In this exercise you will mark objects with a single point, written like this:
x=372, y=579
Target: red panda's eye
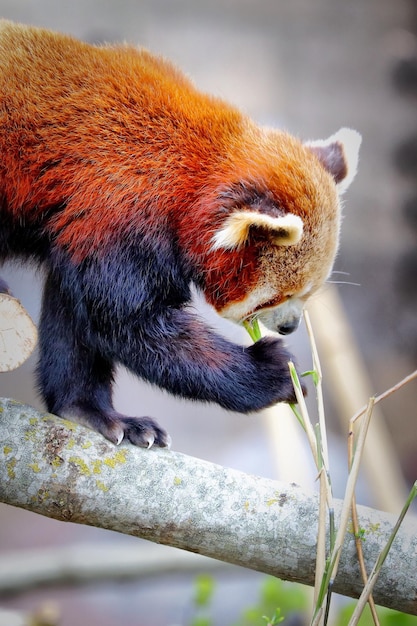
x=270, y=303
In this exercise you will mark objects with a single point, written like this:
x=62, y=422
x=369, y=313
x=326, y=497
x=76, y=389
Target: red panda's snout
x=285, y=318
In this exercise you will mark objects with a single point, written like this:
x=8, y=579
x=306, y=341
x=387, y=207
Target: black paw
x=144, y=432
x=141, y=431
x=271, y=359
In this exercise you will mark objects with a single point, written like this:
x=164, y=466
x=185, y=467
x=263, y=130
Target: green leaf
x=276, y=618
x=314, y=375
x=298, y=415
x=252, y=327
x=204, y=589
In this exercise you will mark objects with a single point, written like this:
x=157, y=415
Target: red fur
x=124, y=142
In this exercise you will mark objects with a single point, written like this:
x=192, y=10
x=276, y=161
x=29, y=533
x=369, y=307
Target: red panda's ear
x=285, y=230
x=339, y=155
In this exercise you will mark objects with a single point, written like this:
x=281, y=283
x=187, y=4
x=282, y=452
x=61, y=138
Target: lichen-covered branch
x=62, y=470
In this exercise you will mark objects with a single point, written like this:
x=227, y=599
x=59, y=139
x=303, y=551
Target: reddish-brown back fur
x=113, y=140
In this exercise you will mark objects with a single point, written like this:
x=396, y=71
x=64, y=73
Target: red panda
x=129, y=186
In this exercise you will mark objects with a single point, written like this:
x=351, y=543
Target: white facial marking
x=238, y=311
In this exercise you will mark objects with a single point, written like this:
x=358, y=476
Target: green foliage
x=314, y=375
x=361, y=534
x=387, y=617
x=275, y=619
x=252, y=327
x=279, y=599
x=204, y=587
x=276, y=599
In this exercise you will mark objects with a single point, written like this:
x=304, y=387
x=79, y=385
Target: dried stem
x=364, y=598
x=356, y=530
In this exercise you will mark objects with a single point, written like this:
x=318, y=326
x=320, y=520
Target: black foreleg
x=130, y=310
x=178, y=352
x=75, y=378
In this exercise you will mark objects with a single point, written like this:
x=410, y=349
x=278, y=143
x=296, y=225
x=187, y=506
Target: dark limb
x=75, y=378
x=178, y=352
x=131, y=310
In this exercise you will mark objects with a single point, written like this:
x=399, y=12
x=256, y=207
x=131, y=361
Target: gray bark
x=67, y=472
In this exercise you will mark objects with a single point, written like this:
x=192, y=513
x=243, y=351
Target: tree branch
x=67, y=472
x=81, y=564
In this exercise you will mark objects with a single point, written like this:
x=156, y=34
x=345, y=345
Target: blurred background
x=309, y=66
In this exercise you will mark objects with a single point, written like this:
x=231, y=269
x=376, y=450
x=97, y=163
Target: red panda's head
x=277, y=227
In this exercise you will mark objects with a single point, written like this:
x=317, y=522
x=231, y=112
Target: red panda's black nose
x=288, y=327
